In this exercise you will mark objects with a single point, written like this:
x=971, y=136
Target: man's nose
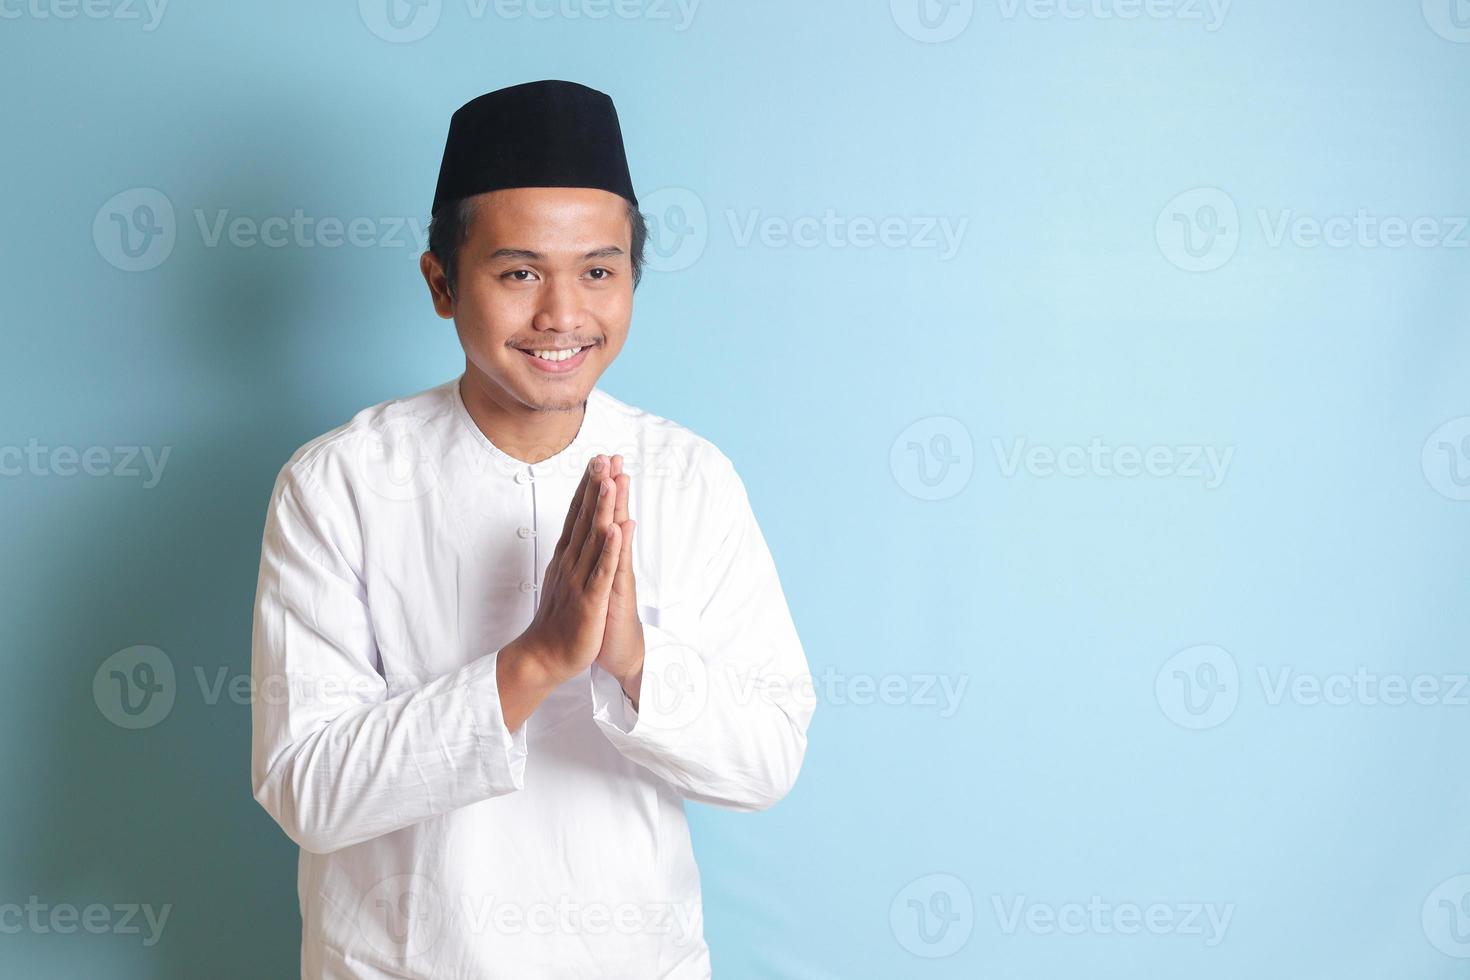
x=560, y=307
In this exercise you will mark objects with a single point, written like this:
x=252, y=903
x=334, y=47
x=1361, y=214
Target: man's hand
x=622, y=642
x=566, y=635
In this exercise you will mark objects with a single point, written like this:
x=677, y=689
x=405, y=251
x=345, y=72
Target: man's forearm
x=632, y=685
x=524, y=682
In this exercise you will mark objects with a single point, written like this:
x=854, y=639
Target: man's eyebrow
x=606, y=252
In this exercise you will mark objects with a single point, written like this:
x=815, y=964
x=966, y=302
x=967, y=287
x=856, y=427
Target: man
x=505, y=627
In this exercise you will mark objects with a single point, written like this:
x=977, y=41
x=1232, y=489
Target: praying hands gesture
x=622, y=640
x=588, y=611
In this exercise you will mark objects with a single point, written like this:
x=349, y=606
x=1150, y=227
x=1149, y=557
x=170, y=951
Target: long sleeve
x=726, y=696
x=335, y=760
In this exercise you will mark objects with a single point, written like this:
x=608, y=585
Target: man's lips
x=557, y=367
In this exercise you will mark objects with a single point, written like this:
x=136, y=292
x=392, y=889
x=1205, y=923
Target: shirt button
x=527, y=586
x=525, y=532
x=523, y=476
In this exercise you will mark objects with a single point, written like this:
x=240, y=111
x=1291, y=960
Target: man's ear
x=438, y=284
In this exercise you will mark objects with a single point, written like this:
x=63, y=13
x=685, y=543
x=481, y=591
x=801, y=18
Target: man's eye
x=516, y=272
x=606, y=273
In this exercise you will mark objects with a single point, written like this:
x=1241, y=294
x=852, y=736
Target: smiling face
x=541, y=269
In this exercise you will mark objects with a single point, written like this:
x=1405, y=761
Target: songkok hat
x=538, y=134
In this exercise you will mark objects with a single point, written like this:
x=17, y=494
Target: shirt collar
x=570, y=461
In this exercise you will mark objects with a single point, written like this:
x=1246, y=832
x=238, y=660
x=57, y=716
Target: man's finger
x=586, y=507
x=620, y=506
x=576, y=505
x=625, y=557
x=600, y=578
x=601, y=513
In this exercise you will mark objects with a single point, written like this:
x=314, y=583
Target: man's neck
x=527, y=434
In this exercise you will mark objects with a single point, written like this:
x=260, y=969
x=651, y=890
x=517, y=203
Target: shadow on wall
x=163, y=815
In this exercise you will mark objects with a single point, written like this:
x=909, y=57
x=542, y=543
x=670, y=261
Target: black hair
x=450, y=225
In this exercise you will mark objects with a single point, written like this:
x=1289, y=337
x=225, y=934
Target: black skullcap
x=538, y=134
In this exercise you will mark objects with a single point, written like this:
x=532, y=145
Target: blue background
x=850, y=382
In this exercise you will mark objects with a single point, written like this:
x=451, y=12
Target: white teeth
x=556, y=355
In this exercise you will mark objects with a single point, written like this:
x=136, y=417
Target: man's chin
x=555, y=393
x=566, y=403
x=553, y=397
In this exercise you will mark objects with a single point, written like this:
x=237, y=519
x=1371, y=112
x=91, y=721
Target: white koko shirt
x=401, y=552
